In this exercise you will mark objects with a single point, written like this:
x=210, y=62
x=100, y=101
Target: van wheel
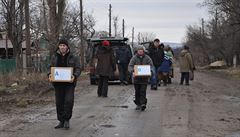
x=93, y=82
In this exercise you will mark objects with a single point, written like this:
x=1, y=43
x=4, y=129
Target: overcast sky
x=166, y=18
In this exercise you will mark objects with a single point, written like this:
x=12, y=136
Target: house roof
x=3, y=44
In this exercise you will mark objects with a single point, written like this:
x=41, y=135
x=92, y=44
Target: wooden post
x=110, y=20
x=235, y=61
x=123, y=28
x=132, y=36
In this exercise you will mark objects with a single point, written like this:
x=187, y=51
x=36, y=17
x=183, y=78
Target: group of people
x=162, y=57
x=159, y=58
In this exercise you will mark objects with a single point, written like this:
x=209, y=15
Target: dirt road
x=209, y=107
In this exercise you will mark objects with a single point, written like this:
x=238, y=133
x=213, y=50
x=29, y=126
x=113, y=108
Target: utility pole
x=81, y=35
x=203, y=31
x=28, y=37
x=123, y=28
x=132, y=36
x=216, y=18
x=110, y=20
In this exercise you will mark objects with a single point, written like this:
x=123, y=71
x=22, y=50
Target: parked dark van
x=93, y=44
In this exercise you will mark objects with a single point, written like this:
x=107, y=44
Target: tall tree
x=12, y=13
x=27, y=33
x=115, y=25
x=81, y=34
x=56, y=11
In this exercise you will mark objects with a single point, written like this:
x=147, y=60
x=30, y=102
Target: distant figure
x=106, y=66
x=64, y=91
x=165, y=67
x=140, y=83
x=123, y=57
x=156, y=53
x=169, y=53
x=186, y=65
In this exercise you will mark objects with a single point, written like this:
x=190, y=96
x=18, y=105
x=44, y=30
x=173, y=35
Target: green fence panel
x=7, y=65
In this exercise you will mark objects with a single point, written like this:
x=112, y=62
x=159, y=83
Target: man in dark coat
x=64, y=91
x=123, y=57
x=156, y=53
x=140, y=83
x=106, y=66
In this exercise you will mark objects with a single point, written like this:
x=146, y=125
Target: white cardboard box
x=142, y=70
x=61, y=74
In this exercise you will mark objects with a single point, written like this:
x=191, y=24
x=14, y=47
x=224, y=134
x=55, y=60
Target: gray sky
x=166, y=18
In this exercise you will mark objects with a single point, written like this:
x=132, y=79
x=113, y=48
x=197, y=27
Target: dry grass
x=17, y=89
x=16, y=83
x=232, y=72
x=21, y=79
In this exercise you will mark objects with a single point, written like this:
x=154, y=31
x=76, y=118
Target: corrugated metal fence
x=7, y=65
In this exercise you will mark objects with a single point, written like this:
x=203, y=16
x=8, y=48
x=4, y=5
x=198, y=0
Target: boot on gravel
x=60, y=125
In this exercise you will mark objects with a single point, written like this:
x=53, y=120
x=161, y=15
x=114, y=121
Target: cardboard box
x=142, y=70
x=61, y=74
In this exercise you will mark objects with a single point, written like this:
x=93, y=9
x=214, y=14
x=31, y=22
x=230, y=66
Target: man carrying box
x=140, y=79
x=64, y=90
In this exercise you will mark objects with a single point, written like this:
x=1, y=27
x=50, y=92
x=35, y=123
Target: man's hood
x=58, y=51
x=183, y=53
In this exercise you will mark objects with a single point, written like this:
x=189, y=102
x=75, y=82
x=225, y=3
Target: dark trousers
x=140, y=94
x=184, y=76
x=64, y=102
x=154, y=77
x=123, y=69
x=103, y=86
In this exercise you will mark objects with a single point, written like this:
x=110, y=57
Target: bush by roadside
x=22, y=90
x=225, y=71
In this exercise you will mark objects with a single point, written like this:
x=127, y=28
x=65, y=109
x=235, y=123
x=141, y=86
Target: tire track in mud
x=90, y=114
x=176, y=111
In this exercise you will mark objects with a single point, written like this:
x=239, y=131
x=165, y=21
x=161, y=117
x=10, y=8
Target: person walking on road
x=186, y=65
x=64, y=91
x=123, y=57
x=106, y=65
x=156, y=53
x=140, y=83
x=165, y=67
x=170, y=56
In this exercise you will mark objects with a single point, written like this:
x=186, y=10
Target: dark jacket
x=140, y=60
x=71, y=61
x=106, y=64
x=165, y=66
x=157, y=55
x=123, y=55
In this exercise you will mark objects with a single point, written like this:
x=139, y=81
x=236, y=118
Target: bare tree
x=146, y=37
x=115, y=25
x=12, y=12
x=27, y=33
x=56, y=11
x=221, y=33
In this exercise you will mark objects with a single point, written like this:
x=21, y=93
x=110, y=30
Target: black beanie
x=63, y=41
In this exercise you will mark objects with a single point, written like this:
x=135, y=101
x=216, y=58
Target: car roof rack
x=107, y=38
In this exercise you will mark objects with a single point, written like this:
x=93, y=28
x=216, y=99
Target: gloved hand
x=72, y=79
x=50, y=78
